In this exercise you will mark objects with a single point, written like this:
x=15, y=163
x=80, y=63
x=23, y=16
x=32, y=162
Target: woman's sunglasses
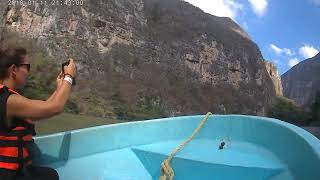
x=27, y=65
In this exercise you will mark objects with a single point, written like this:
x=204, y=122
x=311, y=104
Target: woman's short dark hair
x=9, y=57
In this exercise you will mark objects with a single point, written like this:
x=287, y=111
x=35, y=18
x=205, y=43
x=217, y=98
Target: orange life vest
x=15, y=142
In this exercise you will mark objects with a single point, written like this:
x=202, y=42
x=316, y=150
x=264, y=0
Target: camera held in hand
x=67, y=64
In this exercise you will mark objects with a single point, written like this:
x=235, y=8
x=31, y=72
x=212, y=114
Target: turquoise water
x=256, y=149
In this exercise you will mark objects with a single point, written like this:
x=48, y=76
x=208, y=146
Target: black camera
x=66, y=64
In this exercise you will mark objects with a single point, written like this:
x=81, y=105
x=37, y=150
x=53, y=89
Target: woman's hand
x=59, y=80
x=71, y=68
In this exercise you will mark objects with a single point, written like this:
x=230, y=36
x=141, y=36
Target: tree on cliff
x=285, y=109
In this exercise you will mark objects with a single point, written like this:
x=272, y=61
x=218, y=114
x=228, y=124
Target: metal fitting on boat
x=222, y=145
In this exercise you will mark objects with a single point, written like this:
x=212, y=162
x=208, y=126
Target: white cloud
x=292, y=62
x=280, y=51
x=245, y=26
x=259, y=7
x=317, y=2
x=276, y=61
x=221, y=8
x=307, y=51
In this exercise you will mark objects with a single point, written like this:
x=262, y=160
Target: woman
x=16, y=128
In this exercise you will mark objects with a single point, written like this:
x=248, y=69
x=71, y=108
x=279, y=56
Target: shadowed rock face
x=302, y=81
x=169, y=52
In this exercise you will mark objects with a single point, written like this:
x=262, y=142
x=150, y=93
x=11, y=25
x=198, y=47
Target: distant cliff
x=167, y=55
x=276, y=78
x=302, y=81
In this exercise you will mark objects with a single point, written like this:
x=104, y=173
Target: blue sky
x=286, y=31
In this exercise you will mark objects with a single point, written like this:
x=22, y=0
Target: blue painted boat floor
x=116, y=165
x=135, y=150
x=234, y=153
x=200, y=158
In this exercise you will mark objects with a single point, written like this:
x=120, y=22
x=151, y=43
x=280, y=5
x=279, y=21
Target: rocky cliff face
x=165, y=53
x=302, y=81
x=276, y=78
